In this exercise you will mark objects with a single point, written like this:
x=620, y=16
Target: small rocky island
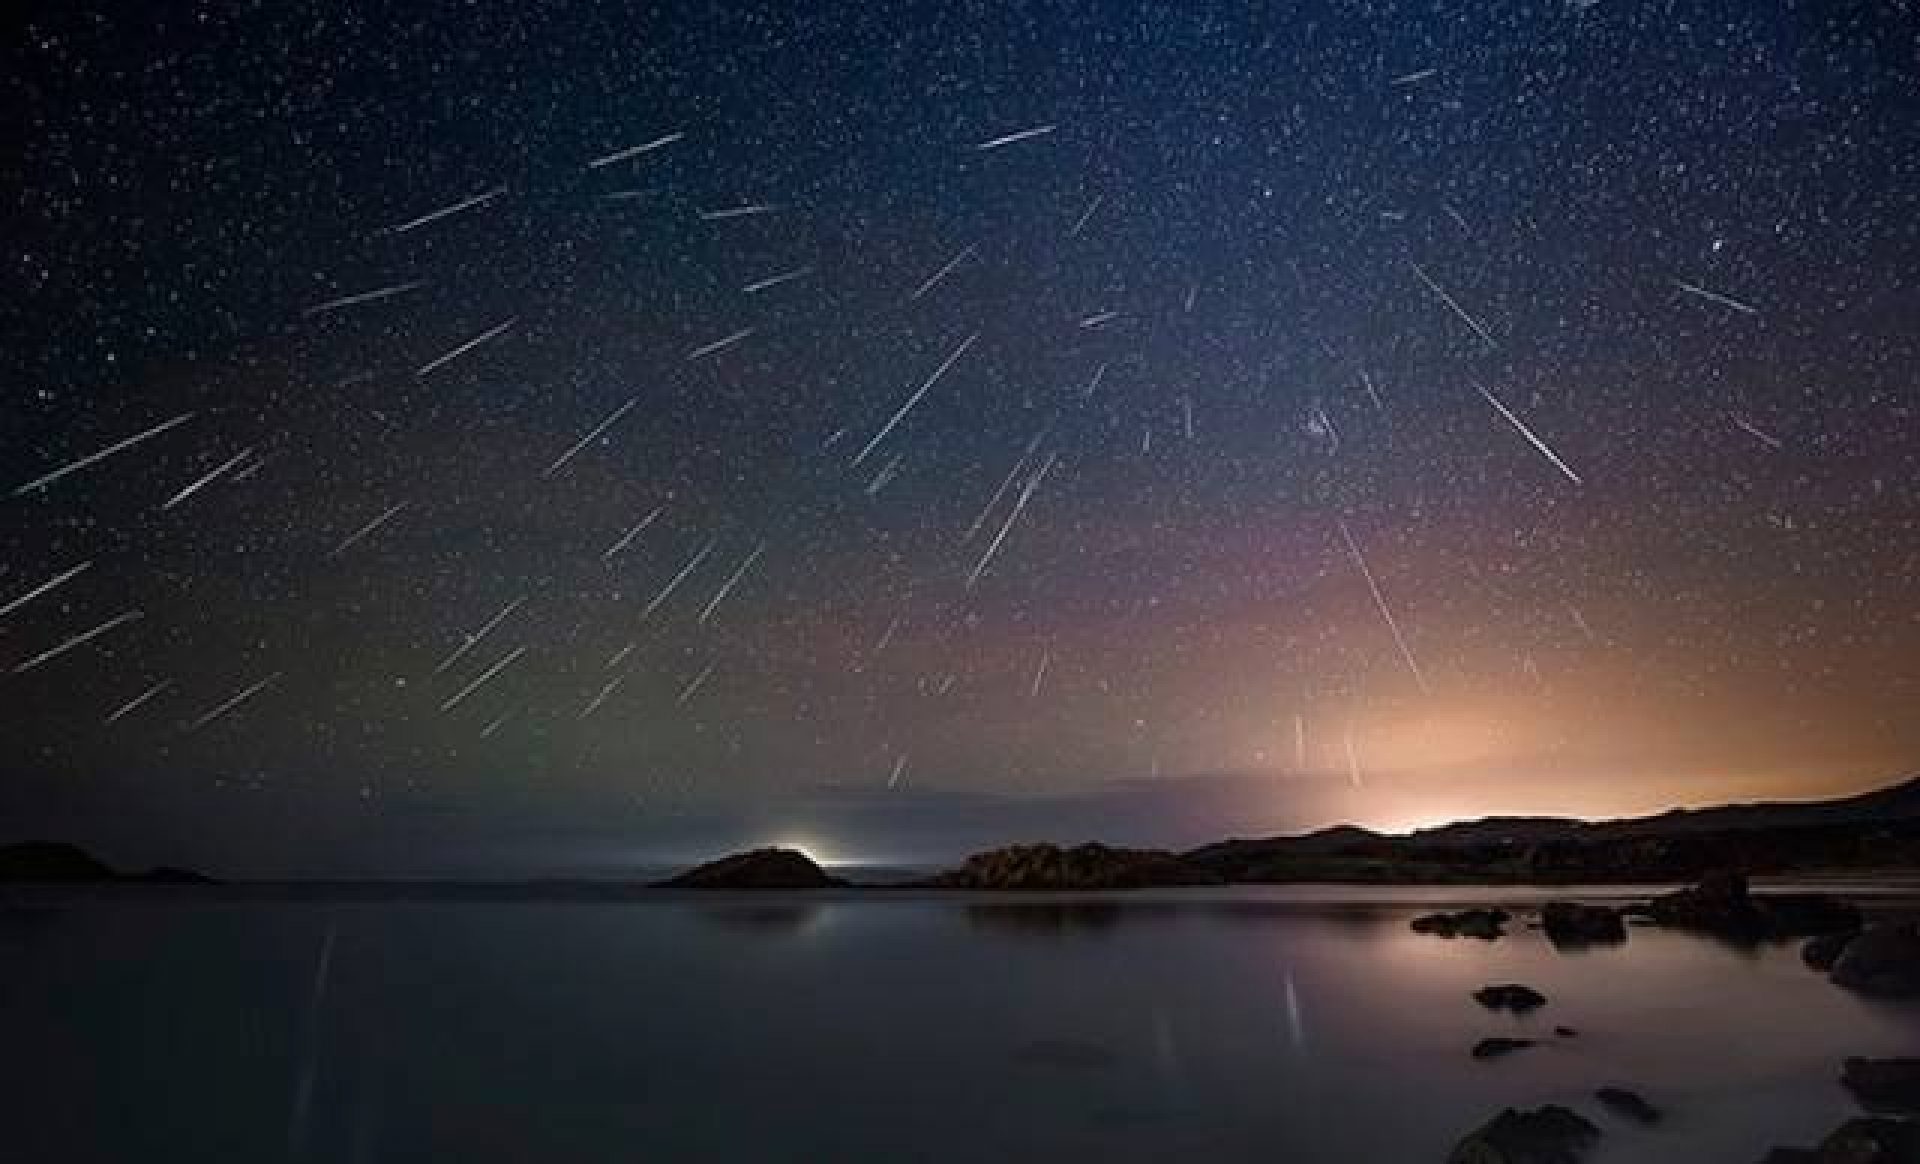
x=770, y=868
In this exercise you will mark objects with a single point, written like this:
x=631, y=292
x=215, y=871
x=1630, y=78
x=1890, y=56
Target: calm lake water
x=1207, y=1025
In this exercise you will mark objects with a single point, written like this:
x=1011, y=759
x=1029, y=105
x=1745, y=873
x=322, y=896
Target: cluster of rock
x=1722, y=905
x=1080, y=867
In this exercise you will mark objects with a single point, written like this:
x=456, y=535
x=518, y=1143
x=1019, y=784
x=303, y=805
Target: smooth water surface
x=1218, y=1025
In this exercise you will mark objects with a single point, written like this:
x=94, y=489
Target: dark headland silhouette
x=1872, y=833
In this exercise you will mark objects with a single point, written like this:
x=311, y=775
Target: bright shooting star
x=76, y=642
x=593, y=704
x=1033, y=446
x=503, y=663
x=1739, y=422
x=1716, y=297
x=1524, y=431
x=1453, y=304
x=103, y=454
x=491, y=333
x=1413, y=78
x=473, y=639
x=138, y=701
x=719, y=345
x=687, y=692
x=776, y=280
x=915, y=398
x=354, y=538
x=445, y=211
x=232, y=703
x=1026, y=494
x=899, y=769
x=50, y=584
x=666, y=591
x=210, y=478
x=1040, y=674
x=612, y=419
x=634, y=151
x=626, y=539
x=1386, y=612
x=1098, y=318
x=1009, y=139
x=364, y=297
x=934, y=279
x=726, y=588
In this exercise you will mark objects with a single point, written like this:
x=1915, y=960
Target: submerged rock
x=1495, y=1048
x=1883, y=959
x=1884, y=1085
x=758, y=869
x=1485, y=924
x=1546, y=1135
x=1510, y=996
x=1571, y=923
x=1630, y=1104
x=1870, y=1140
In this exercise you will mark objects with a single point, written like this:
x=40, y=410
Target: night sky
x=952, y=424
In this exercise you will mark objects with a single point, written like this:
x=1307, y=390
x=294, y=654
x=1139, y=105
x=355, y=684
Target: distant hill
x=1874, y=830
x=58, y=863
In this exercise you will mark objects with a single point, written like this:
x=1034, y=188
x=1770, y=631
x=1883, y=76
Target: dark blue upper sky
x=1373, y=410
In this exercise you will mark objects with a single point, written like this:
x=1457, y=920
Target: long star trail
x=899, y=769
x=1716, y=297
x=611, y=419
x=1386, y=612
x=719, y=345
x=600, y=697
x=1008, y=139
x=484, y=677
x=357, y=536
x=694, y=686
x=1535, y=441
x=1086, y=216
x=752, y=210
x=626, y=539
x=914, y=399
x=373, y=296
x=460, y=207
x=1739, y=422
x=137, y=702
x=77, y=641
x=772, y=281
x=1019, y=505
x=635, y=151
x=1453, y=304
x=206, y=480
x=47, y=587
x=1033, y=446
x=121, y=446
x=486, y=336
x=221, y=710
x=470, y=641
x=733, y=580
x=1040, y=674
x=666, y=591
x=934, y=279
